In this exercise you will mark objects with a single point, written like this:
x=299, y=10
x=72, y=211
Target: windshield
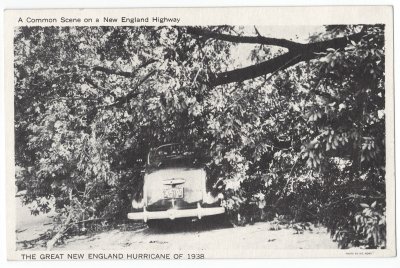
x=173, y=155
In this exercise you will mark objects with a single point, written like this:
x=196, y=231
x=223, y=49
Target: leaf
x=373, y=205
x=324, y=59
x=364, y=205
x=328, y=147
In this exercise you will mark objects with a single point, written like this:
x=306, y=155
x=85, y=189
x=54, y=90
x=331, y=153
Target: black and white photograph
x=209, y=137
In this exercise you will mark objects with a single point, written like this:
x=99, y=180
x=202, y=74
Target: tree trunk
x=50, y=244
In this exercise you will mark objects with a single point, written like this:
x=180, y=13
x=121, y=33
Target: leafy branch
x=106, y=70
x=297, y=53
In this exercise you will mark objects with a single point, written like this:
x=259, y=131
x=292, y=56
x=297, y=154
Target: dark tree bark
x=297, y=53
x=244, y=39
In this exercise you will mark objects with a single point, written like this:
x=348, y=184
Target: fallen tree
x=90, y=102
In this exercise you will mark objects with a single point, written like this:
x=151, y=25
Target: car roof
x=163, y=146
x=168, y=144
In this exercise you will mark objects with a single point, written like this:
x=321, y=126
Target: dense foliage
x=308, y=140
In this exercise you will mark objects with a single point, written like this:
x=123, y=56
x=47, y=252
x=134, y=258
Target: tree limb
x=112, y=71
x=50, y=244
x=92, y=83
x=256, y=70
x=297, y=53
x=131, y=94
x=118, y=72
x=259, y=39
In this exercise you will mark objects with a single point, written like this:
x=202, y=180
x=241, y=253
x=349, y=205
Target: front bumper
x=171, y=214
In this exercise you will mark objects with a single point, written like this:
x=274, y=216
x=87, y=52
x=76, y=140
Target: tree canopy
x=303, y=125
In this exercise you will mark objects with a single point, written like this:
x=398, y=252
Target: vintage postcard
x=200, y=133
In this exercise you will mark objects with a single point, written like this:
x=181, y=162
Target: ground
x=206, y=234
x=28, y=226
x=198, y=236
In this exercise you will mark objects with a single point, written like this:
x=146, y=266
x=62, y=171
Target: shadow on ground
x=188, y=225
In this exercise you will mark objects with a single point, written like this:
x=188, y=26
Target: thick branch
x=253, y=71
x=259, y=39
x=303, y=53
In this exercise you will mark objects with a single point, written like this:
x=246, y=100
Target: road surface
x=205, y=234
x=202, y=235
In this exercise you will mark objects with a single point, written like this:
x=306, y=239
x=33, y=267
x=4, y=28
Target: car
x=175, y=186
